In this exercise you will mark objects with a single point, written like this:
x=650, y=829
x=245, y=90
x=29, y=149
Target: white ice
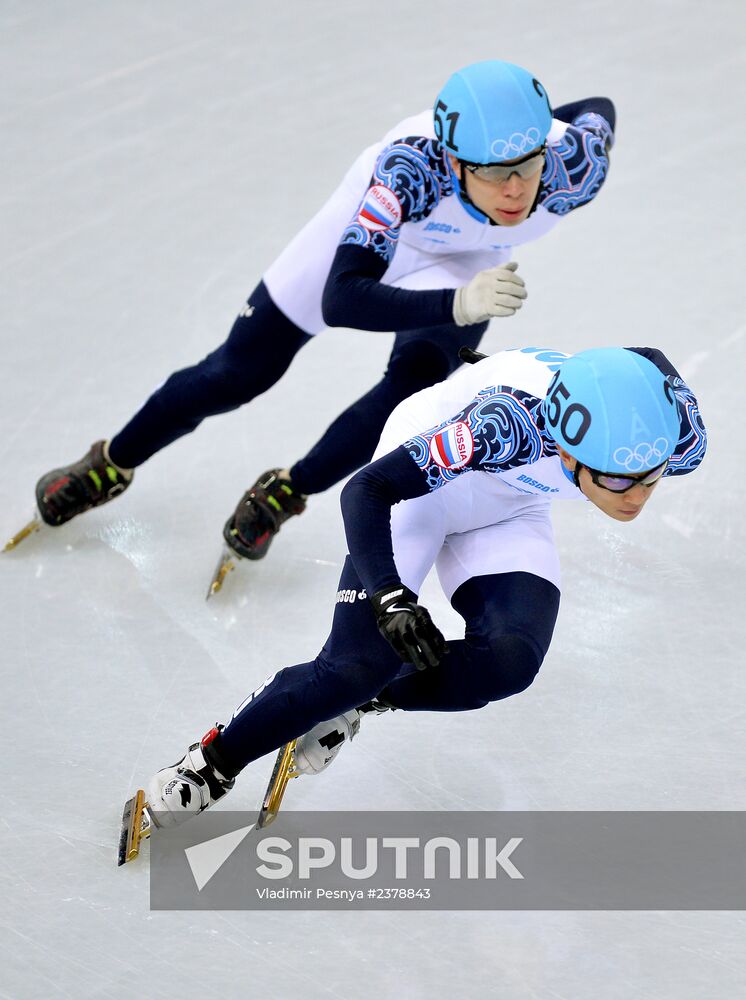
x=154, y=158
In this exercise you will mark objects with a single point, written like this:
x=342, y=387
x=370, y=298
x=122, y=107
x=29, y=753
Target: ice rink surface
x=154, y=159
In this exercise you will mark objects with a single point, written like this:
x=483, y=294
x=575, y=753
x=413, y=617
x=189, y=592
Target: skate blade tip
x=33, y=525
x=136, y=827
x=216, y=584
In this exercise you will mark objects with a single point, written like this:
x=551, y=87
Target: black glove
x=408, y=627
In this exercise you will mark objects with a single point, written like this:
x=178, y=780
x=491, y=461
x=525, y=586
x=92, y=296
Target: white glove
x=495, y=292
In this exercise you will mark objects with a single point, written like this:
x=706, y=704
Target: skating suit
x=492, y=471
x=400, y=203
x=480, y=482
x=385, y=253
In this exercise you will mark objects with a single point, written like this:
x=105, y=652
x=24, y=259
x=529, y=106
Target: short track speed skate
x=260, y=514
x=174, y=794
x=310, y=754
x=64, y=493
x=136, y=826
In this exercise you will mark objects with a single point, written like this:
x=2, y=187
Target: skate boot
x=311, y=754
x=261, y=513
x=315, y=751
x=175, y=794
x=64, y=493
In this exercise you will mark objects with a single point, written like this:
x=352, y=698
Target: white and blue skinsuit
x=386, y=252
x=471, y=497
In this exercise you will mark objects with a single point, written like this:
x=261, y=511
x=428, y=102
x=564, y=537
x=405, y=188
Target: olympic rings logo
x=643, y=456
x=518, y=144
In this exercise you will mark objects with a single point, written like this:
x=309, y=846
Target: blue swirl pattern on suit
x=692, y=437
x=577, y=166
x=416, y=171
x=507, y=431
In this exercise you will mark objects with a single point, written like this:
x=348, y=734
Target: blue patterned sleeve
x=692, y=444
x=409, y=179
x=596, y=105
x=577, y=165
x=497, y=431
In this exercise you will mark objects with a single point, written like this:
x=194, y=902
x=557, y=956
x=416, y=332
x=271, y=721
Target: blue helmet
x=613, y=411
x=492, y=111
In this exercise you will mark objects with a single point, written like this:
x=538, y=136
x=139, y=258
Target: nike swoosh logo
x=390, y=611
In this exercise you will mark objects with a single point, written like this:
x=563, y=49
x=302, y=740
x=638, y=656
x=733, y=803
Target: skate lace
x=280, y=496
x=85, y=485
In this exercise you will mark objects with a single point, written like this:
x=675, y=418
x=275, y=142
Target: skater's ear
x=567, y=460
x=456, y=164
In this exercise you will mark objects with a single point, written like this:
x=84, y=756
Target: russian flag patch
x=381, y=209
x=453, y=446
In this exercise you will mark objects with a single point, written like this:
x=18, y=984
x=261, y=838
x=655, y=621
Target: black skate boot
x=261, y=513
x=64, y=493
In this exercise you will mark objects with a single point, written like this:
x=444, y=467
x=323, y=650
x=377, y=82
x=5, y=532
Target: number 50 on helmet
x=613, y=410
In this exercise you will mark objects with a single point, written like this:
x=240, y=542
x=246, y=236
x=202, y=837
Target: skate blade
x=282, y=772
x=226, y=564
x=136, y=827
x=33, y=525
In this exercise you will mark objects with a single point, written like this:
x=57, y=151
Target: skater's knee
x=509, y=664
x=224, y=381
x=417, y=365
x=356, y=678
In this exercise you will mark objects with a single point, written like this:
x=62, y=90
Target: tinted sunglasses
x=620, y=484
x=498, y=173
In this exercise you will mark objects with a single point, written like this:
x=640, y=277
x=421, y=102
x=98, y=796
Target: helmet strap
x=463, y=194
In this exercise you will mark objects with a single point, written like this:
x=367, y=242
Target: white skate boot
x=175, y=794
x=311, y=754
x=315, y=751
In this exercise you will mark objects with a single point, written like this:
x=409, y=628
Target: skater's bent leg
x=355, y=663
x=509, y=623
x=258, y=351
x=420, y=358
